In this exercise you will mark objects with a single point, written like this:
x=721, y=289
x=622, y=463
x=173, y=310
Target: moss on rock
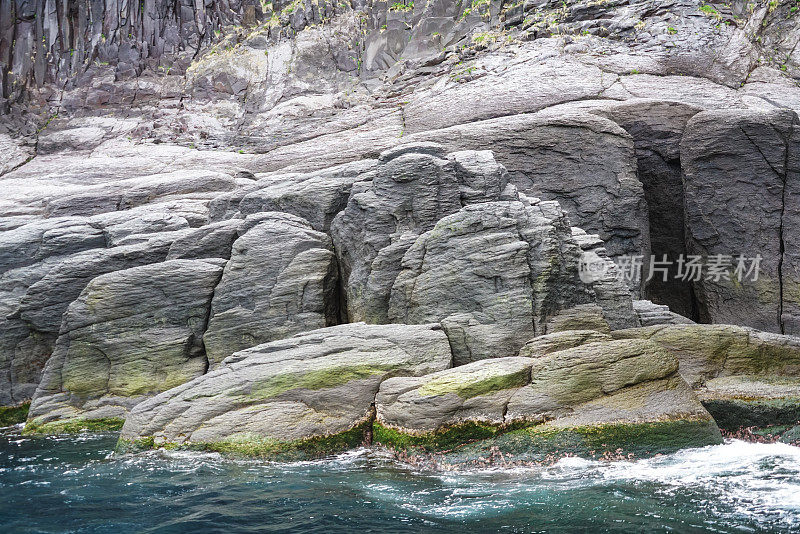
x=74, y=426
x=475, y=384
x=735, y=413
x=440, y=440
x=254, y=446
x=531, y=442
x=13, y=415
x=314, y=380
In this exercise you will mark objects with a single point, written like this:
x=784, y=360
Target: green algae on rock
x=744, y=377
x=73, y=425
x=13, y=415
x=306, y=395
x=247, y=445
x=131, y=334
x=600, y=396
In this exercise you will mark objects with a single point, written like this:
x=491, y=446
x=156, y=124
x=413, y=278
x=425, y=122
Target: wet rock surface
x=184, y=182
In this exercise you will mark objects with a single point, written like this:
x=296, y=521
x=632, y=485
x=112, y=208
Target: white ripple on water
x=755, y=480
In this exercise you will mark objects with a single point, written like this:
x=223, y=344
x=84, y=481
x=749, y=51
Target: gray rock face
x=598, y=386
x=280, y=280
x=506, y=264
x=654, y=314
x=279, y=397
x=129, y=335
x=733, y=161
x=596, y=185
x=411, y=190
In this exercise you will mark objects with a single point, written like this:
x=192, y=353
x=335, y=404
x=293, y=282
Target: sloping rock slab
x=304, y=396
x=743, y=377
x=591, y=399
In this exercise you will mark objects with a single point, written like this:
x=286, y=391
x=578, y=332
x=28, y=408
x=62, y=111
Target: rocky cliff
x=274, y=203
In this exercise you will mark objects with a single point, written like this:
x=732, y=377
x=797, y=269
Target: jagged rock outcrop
x=131, y=334
x=413, y=187
x=317, y=197
x=591, y=398
x=743, y=376
x=492, y=273
x=310, y=394
x=46, y=42
x=280, y=280
x=596, y=185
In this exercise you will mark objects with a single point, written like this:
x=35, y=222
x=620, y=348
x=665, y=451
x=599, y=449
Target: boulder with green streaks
x=130, y=335
x=600, y=390
x=288, y=396
x=743, y=376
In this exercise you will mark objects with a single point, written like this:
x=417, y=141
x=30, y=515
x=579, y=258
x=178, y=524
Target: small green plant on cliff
x=475, y=5
x=709, y=10
x=484, y=38
x=671, y=30
x=402, y=6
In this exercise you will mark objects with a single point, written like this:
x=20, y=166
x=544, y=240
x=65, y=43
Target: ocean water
x=76, y=484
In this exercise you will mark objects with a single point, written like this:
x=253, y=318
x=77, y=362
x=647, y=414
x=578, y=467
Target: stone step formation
x=455, y=229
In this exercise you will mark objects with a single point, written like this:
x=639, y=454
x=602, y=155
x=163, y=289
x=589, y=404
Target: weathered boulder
x=129, y=335
x=306, y=395
x=735, y=161
x=744, y=377
x=589, y=399
x=33, y=298
x=562, y=340
x=280, y=280
x=413, y=187
x=507, y=264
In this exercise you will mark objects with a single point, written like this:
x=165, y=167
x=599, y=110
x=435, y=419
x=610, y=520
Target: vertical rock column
x=742, y=198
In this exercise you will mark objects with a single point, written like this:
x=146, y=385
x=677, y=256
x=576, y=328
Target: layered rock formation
x=310, y=393
x=196, y=197
x=129, y=335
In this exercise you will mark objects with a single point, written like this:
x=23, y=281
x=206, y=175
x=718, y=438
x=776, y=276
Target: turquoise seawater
x=76, y=484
